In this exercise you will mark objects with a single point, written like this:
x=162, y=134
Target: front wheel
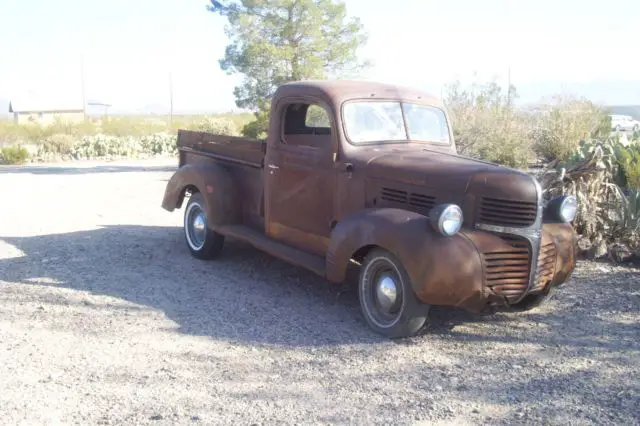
x=203, y=242
x=387, y=300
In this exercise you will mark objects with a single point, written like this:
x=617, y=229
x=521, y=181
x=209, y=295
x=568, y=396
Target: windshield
x=371, y=121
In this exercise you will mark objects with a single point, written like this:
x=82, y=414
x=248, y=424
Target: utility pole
x=84, y=98
x=170, y=100
x=509, y=85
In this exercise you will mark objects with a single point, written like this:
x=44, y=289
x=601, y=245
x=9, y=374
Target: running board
x=289, y=254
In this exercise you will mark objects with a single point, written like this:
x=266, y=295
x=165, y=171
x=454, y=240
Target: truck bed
x=243, y=158
x=245, y=151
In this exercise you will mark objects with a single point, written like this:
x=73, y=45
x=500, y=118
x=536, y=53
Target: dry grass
x=488, y=125
x=62, y=140
x=12, y=133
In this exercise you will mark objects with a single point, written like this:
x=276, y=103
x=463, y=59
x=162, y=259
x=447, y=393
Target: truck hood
x=486, y=192
x=430, y=169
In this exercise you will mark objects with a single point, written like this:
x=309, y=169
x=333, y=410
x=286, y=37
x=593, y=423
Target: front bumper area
x=477, y=269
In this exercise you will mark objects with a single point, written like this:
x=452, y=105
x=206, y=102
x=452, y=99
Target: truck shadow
x=245, y=295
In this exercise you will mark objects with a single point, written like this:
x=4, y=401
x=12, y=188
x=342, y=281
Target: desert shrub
x=159, y=144
x=9, y=132
x=37, y=132
x=75, y=128
x=31, y=132
x=58, y=145
x=217, y=125
x=608, y=214
x=14, y=155
x=629, y=161
x=191, y=122
x=100, y=145
x=121, y=126
x=632, y=215
x=132, y=126
x=558, y=126
x=487, y=126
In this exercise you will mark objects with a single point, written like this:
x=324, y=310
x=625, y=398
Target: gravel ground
x=106, y=319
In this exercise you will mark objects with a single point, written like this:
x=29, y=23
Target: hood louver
x=400, y=197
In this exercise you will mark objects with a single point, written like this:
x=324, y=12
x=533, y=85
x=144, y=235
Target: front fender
x=214, y=183
x=443, y=270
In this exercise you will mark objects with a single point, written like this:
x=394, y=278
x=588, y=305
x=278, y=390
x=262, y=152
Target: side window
x=317, y=117
x=307, y=125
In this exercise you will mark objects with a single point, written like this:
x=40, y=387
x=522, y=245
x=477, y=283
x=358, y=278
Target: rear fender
x=214, y=183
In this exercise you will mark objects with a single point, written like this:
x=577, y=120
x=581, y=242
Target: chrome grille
x=496, y=211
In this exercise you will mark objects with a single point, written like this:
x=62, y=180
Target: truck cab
x=368, y=174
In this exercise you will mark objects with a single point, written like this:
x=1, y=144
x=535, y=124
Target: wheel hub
x=198, y=223
x=196, y=227
x=199, y=227
x=386, y=293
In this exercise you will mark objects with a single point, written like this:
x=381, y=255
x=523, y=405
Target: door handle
x=272, y=166
x=346, y=167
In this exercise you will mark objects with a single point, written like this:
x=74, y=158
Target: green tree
x=277, y=41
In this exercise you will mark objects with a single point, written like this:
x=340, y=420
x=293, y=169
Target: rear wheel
x=203, y=242
x=387, y=300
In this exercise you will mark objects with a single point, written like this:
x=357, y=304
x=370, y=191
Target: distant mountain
x=632, y=110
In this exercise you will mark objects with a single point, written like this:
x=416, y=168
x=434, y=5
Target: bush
x=14, y=155
x=56, y=146
x=112, y=136
x=608, y=213
x=132, y=126
x=11, y=132
x=487, y=126
x=217, y=125
x=159, y=144
x=559, y=126
x=629, y=162
x=100, y=145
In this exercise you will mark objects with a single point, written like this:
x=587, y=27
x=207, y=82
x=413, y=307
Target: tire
x=402, y=318
x=203, y=242
x=618, y=128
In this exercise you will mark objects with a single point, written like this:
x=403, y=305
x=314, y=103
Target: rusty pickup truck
x=365, y=174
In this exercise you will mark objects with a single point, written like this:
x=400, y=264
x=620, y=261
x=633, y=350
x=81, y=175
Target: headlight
x=563, y=209
x=446, y=219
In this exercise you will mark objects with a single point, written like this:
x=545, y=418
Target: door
x=299, y=176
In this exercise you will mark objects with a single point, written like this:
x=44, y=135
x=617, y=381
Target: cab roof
x=338, y=91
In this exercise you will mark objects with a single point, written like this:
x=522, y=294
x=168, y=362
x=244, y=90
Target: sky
x=127, y=49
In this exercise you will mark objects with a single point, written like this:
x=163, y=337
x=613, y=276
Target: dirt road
x=106, y=319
